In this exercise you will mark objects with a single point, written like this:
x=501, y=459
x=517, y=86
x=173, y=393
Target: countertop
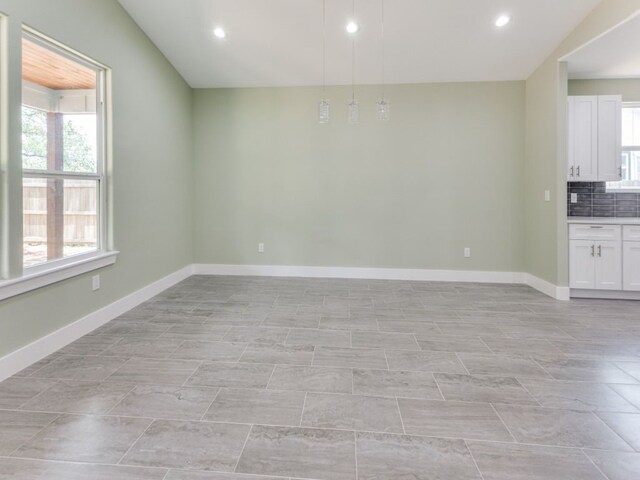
x=605, y=220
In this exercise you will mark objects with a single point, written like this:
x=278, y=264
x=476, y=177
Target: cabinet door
x=609, y=265
x=585, y=138
x=582, y=271
x=609, y=138
x=571, y=139
x=631, y=266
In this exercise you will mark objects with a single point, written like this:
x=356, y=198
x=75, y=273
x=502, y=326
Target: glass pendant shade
x=353, y=111
x=383, y=109
x=324, y=112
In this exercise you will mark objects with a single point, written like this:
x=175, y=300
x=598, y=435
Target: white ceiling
x=614, y=55
x=279, y=42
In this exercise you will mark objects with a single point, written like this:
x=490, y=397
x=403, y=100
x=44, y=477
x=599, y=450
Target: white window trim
x=48, y=273
x=56, y=272
x=632, y=148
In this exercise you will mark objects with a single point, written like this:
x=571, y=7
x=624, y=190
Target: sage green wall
x=152, y=166
x=628, y=88
x=445, y=173
x=545, y=166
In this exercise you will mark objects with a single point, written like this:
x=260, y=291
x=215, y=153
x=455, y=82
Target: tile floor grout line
x=474, y=459
x=462, y=363
x=610, y=428
x=184, y=384
x=242, y=354
x=304, y=403
x=35, y=434
x=153, y=420
x=121, y=400
x=20, y=406
x=594, y=464
x=72, y=462
x=435, y=380
x=528, y=392
x=504, y=423
x=211, y=404
x=266, y=387
x=404, y=430
x=619, y=395
x=246, y=440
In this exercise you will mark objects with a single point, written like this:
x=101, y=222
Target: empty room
x=319, y=240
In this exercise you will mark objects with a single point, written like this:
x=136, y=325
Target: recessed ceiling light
x=219, y=32
x=353, y=27
x=502, y=20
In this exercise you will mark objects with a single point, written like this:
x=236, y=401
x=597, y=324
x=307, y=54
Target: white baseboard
x=360, y=273
x=605, y=294
x=559, y=293
x=548, y=288
x=30, y=354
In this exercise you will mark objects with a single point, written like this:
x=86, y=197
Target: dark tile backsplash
x=594, y=201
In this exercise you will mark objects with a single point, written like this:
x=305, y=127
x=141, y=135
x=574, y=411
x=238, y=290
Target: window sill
x=32, y=281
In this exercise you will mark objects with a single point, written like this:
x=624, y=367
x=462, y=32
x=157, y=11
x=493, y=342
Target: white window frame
x=53, y=271
x=615, y=187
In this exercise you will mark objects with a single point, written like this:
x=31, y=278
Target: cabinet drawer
x=631, y=233
x=594, y=232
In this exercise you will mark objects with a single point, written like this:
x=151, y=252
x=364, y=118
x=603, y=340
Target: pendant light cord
x=324, y=48
x=383, y=44
x=353, y=55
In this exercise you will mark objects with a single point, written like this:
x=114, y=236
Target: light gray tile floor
x=245, y=378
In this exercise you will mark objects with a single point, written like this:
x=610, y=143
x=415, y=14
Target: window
x=62, y=154
x=630, y=150
x=63, y=132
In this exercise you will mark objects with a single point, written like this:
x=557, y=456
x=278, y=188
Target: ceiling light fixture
x=219, y=32
x=502, y=21
x=353, y=27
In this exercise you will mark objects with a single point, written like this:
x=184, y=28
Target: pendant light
x=324, y=107
x=382, y=105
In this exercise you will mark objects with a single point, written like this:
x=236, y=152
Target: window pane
x=59, y=123
x=34, y=139
x=60, y=218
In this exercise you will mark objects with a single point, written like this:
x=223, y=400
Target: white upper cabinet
x=595, y=138
x=609, y=138
x=583, y=144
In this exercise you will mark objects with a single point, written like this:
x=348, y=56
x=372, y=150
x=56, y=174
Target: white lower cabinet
x=582, y=271
x=595, y=257
x=595, y=265
x=608, y=265
x=631, y=269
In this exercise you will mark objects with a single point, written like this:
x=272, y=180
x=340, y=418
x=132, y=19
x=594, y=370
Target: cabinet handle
x=571, y=171
x=619, y=172
x=593, y=250
x=596, y=226
x=599, y=250
x=578, y=171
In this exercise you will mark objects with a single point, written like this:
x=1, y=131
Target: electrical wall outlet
x=95, y=282
x=467, y=252
x=574, y=198
x=261, y=248
x=547, y=195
